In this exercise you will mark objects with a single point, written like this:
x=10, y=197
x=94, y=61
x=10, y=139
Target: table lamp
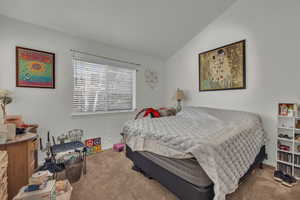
x=179, y=96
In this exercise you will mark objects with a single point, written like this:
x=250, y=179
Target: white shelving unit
x=288, y=161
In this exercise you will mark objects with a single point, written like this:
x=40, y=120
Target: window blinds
x=102, y=88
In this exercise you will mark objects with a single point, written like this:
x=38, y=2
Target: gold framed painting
x=223, y=68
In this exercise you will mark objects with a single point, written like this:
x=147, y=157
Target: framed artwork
x=34, y=68
x=223, y=68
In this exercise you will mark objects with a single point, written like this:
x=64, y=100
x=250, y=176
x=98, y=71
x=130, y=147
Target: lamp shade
x=179, y=95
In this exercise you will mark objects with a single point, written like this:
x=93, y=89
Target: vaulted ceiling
x=152, y=27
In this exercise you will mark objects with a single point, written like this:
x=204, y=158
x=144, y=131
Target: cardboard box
x=63, y=190
x=48, y=193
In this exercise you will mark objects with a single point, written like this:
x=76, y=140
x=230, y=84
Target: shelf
x=288, y=125
x=298, y=166
x=288, y=117
x=284, y=151
x=287, y=128
x=284, y=162
x=285, y=139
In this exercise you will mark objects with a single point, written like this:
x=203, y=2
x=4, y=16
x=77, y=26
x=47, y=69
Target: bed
x=199, y=154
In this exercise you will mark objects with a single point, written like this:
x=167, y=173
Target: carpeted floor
x=110, y=177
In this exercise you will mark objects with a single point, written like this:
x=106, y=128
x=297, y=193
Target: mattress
x=187, y=169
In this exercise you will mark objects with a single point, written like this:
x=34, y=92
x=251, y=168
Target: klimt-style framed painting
x=223, y=68
x=34, y=68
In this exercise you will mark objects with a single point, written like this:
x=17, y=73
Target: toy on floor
x=119, y=147
x=93, y=145
x=284, y=179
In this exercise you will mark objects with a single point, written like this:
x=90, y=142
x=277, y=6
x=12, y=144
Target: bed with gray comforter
x=224, y=142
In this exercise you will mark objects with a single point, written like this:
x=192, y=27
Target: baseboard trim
x=268, y=166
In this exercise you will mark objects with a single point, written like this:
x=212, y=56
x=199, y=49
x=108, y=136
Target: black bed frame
x=181, y=188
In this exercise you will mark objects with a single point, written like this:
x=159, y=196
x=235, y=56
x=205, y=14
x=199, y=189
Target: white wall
x=51, y=108
x=272, y=31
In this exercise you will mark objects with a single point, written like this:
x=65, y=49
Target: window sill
x=101, y=113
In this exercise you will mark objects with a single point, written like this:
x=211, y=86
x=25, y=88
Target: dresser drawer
x=3, y=196
x=3, y=174
x=3, y=182
x=3, y=167
x=3, y=189
x=3, y=157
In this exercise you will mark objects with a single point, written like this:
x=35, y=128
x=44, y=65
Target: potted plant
x=5, y=99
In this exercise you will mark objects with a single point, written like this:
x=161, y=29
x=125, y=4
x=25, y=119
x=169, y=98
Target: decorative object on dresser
x=22, y=160
x=14, y=125
x=35, y=69
x=7, y=130
x=179, y=96
x=3, y=175
x=223, y=68
x=5, y=99
x=288, y=154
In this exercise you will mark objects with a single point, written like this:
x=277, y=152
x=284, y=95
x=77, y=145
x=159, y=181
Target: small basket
x=74, y=171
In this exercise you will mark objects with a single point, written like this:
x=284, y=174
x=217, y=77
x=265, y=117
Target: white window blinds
x=102, y=88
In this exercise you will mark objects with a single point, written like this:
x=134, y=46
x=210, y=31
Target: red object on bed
x=154, y=113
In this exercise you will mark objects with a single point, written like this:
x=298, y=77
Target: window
x=102, y=88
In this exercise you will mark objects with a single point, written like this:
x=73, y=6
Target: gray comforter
x=224, y=142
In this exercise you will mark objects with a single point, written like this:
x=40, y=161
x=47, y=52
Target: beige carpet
x=110, y=177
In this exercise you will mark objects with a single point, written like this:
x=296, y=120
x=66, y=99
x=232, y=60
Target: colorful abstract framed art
x=223, y=68
x=34, y=68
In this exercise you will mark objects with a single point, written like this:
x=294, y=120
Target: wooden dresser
x=22, y=161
